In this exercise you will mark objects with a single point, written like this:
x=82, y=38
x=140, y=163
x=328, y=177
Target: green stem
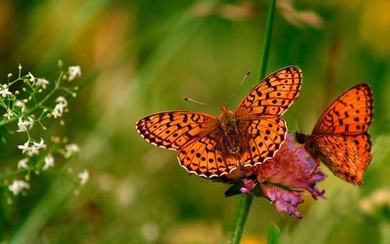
x=267, y=39
x=273, y=234
x=243, y=207
x=245, y=201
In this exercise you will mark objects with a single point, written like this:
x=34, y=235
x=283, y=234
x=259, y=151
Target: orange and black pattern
x=273, y=95
x=211, y=147
x=340, y=138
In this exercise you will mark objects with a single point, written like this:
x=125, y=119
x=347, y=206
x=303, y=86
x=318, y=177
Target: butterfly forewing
x=351, y=113
x=273, y=95
x=175, y=130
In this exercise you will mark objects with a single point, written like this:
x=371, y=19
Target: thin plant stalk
x=245, y=201
x=267, y=39
x=243, y=207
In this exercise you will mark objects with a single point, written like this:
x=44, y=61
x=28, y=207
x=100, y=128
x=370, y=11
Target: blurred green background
x=140, y=57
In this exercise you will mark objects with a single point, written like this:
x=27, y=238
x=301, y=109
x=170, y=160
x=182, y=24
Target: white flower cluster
x=31, y=78
x=24, y=125
x=49, y=162
x=9, y=114
x=17, y=186
x=32, y=148
x=4, y=92
x=73, y=72
x=84, y=176
x=23, y=163
x=37, y=82
x=70, y=150
x=27, y=101
x=41, y=82
x=20, y=105
x=60, y=107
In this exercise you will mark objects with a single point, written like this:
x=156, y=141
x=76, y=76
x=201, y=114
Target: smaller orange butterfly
x=340, y=138
x=212, y=146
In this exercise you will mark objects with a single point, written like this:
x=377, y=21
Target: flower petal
x=285, y=201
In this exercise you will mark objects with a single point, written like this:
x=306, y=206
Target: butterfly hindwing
x=204, y=157
x=346, y=156
x=264, y=137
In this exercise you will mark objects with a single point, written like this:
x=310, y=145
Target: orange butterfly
x=340, y=137
x=212, y=146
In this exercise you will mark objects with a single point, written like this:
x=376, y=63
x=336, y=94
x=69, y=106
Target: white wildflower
x=39, y=145
x=58, y=110
x=49, y=162
x=74, y=71
x=41, y=82
x=84, y=176
x=24, y=125
x=70, y=150
x=32, y=149
x=22, y=164
x=17, y=186
x=25, y=147
x=9, y=114
x=20, y=104
x=4, y=92
x=31, y=78
x=62, y=100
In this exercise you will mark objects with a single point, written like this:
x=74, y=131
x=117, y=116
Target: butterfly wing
x=340, y=136
x=273, y=95
x=194, y=135
x=350, y=114
x=259, y=114
x=346, y=156
x=176, y=129
x=205, y=157
x=263, y=139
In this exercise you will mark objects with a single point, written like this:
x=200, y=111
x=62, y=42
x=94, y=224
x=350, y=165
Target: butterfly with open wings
x=340, y=138
x=211, y=146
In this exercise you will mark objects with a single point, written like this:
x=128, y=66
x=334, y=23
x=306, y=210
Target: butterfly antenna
x=191, y=100
x=238, y=87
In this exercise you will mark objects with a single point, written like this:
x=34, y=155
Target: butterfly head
x=301, y=138
x=227, y=116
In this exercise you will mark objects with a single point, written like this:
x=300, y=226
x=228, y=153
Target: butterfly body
x=212, y=146
x=228, y=123
x=340, y=138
